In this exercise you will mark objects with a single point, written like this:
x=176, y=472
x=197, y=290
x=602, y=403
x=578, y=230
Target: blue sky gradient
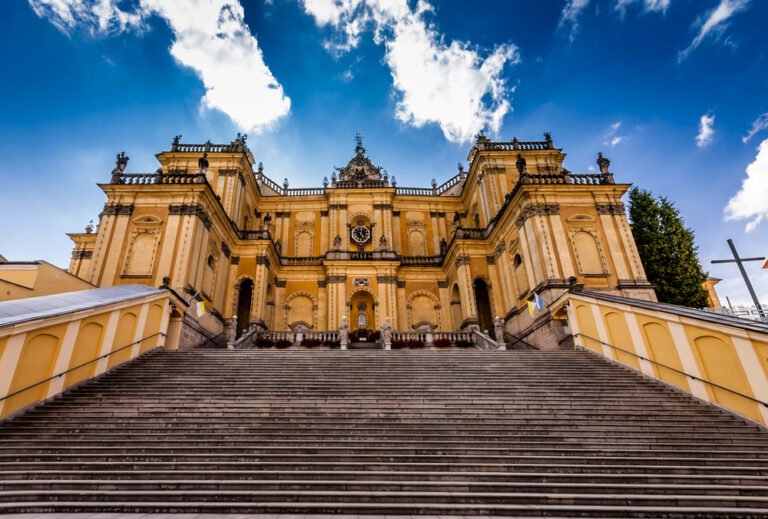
x=72, y=97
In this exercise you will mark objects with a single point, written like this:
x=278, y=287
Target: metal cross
x=359, y=139
x=740, y=262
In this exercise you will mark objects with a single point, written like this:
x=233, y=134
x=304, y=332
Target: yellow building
x=23, y=279
x=515, y=225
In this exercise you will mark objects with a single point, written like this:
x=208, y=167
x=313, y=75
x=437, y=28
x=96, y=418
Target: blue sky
x=669, y=90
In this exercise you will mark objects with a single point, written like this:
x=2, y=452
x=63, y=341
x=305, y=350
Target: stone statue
x=457, y=219
x=230, y=330
x=175, y=143
x=344, y=332
x=548, y=140
x=603, y=163
x=89, y=227
x=498, y=328
x=383, y=243
x=443, y=247
x=267, y=221
x=121, y=162
x=337, y=243
x=202, y=163
x=278, y=248
x=521, y=164
x=386, y=333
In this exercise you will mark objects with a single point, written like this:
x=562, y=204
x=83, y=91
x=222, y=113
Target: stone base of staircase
x=381, y=433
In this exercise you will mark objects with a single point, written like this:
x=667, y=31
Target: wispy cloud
x=648, y=5
x=211, y=38
x=760, y=124
x=570, y=15
x=751, y=202
x=713, y=23
x=98, y=17
x=706, y=130
x=448, y=84
x=612, y=137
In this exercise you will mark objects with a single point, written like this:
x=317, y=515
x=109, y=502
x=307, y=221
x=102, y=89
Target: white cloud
x=649, y=6
x=752, y=199
x=211, y=38
x=448, y=84
x=97, y=16
x=714, y=23
x=569, y=17
x=706, y=130
x=760, y=124
x=612, y=137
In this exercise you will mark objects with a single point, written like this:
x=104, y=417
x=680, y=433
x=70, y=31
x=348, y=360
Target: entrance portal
x=361, y=313
x=244, y=305
x=483, y=305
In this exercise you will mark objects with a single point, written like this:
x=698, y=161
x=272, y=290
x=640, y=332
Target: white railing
x=745, y=312
x=484, y=342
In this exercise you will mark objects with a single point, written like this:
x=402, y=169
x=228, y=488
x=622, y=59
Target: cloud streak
x=714, y=23
x=436, y=82
x=706, y=130
x=760, y=124
x=211, y=38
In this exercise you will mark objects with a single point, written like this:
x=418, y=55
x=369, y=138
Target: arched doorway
x=456, y=313
x=362, y=313
x=483, y=303
x=244, y=297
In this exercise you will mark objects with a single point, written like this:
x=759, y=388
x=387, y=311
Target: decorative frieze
x=234, y=260
x=499, y=250
x=82, y=254
x=383, y=207
x=395, y=213
x=282, y=214
x=228, y=172
x=280, y=283
x=336, y=279
x=262, y=260
x=400, y=283
x=387, y=280
x=361, y=282
x=536, y=210
x=442, y=283
x=339, y=207
x=617, y=208
x=323, y=214
x=321, y=283
x=225, y=249
x=491, y=260
x=118, y=209
x=191, y=210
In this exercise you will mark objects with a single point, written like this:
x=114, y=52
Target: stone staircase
x=451, y=432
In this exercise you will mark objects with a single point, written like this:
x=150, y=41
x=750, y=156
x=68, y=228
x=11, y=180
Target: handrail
x=694, y=377
x=9, y=395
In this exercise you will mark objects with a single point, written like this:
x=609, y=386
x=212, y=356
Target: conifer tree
x=667, y=250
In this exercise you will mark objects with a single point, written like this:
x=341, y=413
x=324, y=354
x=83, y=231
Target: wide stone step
x=383, y=497
x=391, y=476
x=311, y=485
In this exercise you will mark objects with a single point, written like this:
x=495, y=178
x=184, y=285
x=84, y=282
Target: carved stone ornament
x=361, y=282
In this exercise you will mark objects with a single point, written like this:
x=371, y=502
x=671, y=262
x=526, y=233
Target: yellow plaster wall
x=36, y=362
x=58, y=344
x=721, y=353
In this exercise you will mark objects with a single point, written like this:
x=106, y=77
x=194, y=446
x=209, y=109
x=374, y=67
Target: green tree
x=667, y=250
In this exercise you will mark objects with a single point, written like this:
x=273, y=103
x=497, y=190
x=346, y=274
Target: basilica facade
x=514, y=227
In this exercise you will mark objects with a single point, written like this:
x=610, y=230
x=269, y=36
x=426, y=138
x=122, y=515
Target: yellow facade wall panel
x=662, y=350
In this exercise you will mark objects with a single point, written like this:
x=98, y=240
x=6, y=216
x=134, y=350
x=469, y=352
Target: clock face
x=361, y=234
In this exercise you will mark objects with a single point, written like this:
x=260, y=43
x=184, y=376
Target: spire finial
x=359, y=149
